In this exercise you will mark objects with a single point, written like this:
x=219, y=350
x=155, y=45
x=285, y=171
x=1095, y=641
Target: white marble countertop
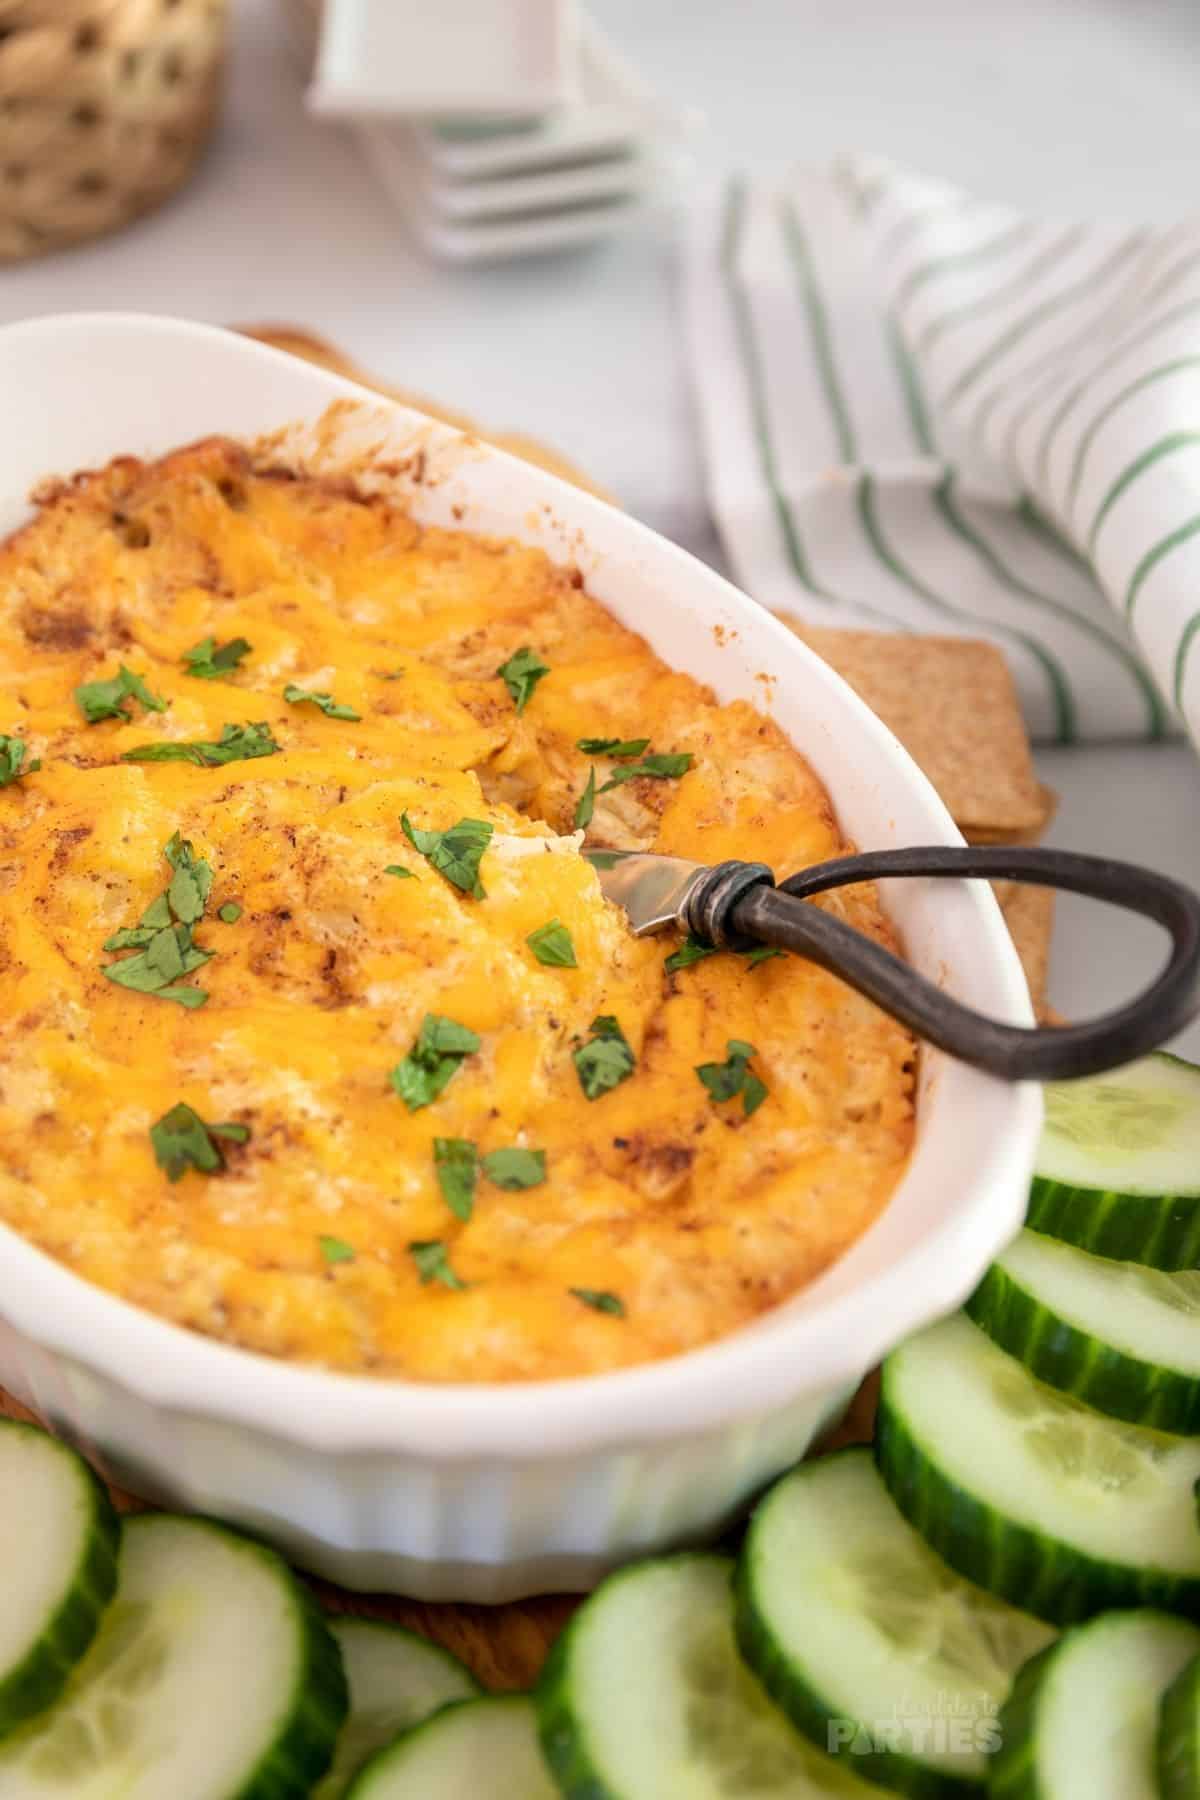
x=1088, y=104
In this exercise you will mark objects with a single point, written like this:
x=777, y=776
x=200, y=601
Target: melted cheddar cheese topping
x=693, y=1214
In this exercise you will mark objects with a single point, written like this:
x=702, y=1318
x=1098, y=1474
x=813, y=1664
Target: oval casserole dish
x=459, y=1491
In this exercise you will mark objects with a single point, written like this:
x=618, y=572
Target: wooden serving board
x=504, y=1646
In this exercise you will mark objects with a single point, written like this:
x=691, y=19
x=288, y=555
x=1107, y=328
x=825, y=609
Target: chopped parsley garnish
x=551, y=944
x=694, y=950
x=456, y=1164
x=399, y=870
x=183, y=1141
x=665, y=765
x=456, y=853
x=440, y=1046
x=585, y=806
x=237, y=743
x=600, y=1301
x=725, y=1081
x=13, y=766
x=106, y=699
x=191, y=882
x=162, y=937
x=515, y=1169
x=761, y=953
x=433, y=1263
x=335, y=1249
x=230, y=913
x=605, y=1060
x=210, y=661
x=611, y=746
x=298, y=696
x=521, y=674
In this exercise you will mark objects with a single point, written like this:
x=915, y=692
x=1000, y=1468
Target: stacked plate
x=580, y=144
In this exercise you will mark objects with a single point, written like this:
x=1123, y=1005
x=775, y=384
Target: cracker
x=986, y=835
x=1029, y=915
x=317, y=350
x=952, y=704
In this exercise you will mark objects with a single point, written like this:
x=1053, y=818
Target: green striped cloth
x=925, y=412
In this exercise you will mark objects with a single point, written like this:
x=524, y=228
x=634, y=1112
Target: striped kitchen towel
x=927, y=412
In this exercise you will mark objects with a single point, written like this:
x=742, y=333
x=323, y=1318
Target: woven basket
x=104, y=107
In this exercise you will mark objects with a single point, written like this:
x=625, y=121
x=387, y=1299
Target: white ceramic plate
x=617, y=108
x=456, y=56
x=476, y=222
x=486, y=1492
x=486, y=188
x=633, y=174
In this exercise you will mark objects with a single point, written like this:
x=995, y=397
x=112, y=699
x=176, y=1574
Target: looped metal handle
x=775, y=915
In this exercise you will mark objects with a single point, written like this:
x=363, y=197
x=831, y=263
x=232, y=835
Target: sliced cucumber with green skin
x=1121, y=1337
x=395, y=1679
x=58, y=1567
x=1080, y=1722
x=870, y=1644
x=645, y=1697
x=470, y=1748
x=213, y=1677
x=1054, y=1507
x=1118, y=1169
x=1177, y=1750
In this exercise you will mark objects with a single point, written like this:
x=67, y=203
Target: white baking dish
x=487, y=1492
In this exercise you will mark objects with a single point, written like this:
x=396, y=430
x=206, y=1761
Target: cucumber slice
x=1118, y=1169
x=395, y=1679
x=58, y=1567
x=1027, y=1492
x=1080, y=1722
x=212, y=1678
x=645, y=1697
x=1178, y=1745
x=869, y=1643
x=471, y=1747
x=1123, y=1338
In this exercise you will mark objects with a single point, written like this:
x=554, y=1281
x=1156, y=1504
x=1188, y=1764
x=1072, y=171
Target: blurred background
x=1085, y=105
x=326, y=196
